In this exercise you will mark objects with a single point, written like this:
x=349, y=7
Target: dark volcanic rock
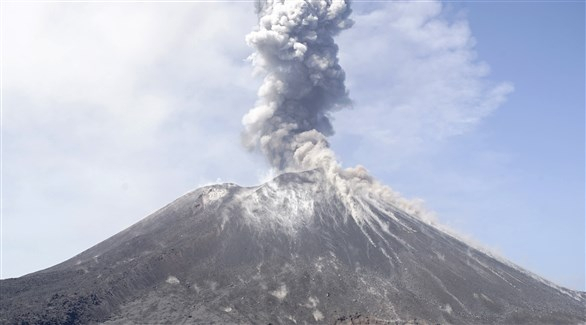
x=288, y=251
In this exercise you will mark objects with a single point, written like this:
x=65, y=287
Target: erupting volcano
x=317, y=244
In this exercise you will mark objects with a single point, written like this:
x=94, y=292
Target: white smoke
x=303, y=85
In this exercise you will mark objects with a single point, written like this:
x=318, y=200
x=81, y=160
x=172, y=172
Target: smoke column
x=295, y=51
x=304, y=83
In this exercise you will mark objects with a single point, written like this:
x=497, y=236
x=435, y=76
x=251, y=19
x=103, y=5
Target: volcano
x=290, y=251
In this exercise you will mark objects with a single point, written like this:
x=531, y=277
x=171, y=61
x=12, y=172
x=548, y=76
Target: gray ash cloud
x=303, y=84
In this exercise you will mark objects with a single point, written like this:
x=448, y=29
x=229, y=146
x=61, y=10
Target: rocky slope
x=290, y=251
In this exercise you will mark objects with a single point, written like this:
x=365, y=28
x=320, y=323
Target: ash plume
x=303, y=81
x=303, y=85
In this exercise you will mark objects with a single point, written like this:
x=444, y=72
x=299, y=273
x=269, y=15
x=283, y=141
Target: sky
x=112, y=110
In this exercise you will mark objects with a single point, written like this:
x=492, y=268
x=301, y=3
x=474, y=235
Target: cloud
x=416, y=80
x=111, y=111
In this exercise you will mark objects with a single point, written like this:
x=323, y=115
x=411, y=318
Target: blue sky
x=541, y=48
x=110, y=111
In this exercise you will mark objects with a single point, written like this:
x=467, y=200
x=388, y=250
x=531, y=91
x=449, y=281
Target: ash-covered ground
x=290, y=251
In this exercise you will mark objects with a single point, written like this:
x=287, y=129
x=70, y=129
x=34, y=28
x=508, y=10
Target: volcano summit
x=290, y=251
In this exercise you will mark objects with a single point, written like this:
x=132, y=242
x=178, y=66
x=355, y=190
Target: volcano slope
x=290, y=251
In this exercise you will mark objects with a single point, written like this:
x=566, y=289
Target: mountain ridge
x=296, y=249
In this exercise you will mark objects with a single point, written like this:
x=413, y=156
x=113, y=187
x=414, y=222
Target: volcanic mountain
x=294, y=250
